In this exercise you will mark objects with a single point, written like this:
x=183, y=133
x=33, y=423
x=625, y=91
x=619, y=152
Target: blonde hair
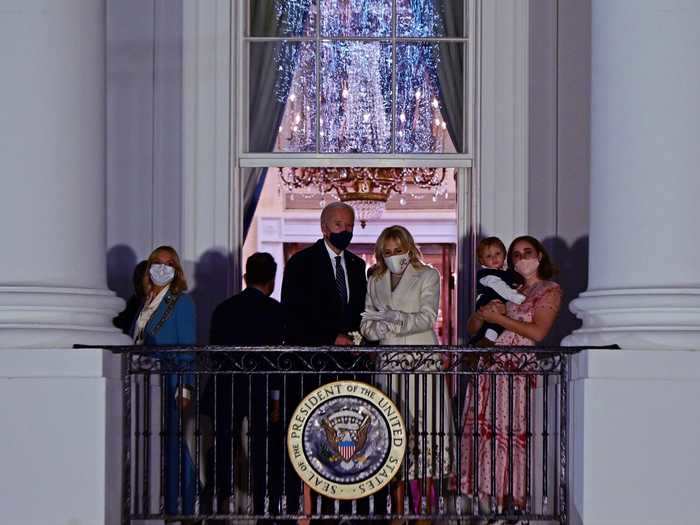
x=405, y=239
x=179, y=283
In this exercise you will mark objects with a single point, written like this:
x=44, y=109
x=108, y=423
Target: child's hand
x=493, y=311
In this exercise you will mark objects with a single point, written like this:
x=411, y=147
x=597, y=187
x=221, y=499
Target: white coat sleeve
x=502, y=289
x=368, y=327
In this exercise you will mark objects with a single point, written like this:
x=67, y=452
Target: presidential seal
x=346, y=440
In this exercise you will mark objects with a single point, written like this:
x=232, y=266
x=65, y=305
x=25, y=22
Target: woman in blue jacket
x=166, y=318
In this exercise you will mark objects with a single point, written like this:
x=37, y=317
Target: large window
x=357, y=76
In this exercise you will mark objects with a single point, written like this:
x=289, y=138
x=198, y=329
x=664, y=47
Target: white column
x=644, y=266
x=634, y=430
x=52, y=153
x=61, y=448
x=633, y=441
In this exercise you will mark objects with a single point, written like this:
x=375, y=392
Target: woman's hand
x=183, y=397
x=486, y=313
x=542, y=318
x=381, y=328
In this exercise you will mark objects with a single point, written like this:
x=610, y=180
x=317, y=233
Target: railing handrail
x=568, y=350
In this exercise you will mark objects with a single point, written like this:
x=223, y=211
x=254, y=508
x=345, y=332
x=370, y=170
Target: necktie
x=340, y=280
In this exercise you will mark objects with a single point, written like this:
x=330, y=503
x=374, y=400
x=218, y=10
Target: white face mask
x=397, y=263
x=161, y=274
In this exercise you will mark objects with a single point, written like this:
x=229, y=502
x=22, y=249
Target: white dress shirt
x=333, y=255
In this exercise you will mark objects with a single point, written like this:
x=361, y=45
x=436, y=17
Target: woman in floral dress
x=525, y=325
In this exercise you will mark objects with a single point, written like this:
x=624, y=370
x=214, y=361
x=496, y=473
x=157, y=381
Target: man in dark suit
x=324, y=285
x=250, y=318
x=323, y=292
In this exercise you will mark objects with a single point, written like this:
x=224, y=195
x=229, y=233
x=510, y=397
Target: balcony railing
x=205, y=433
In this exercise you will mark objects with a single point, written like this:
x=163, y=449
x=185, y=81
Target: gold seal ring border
x=353, y=490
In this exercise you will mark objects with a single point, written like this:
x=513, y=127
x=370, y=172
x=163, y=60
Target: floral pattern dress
x=542, y=294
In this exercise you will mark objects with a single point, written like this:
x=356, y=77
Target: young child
x=493, y=282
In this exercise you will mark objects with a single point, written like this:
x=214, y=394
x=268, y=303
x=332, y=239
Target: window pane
x=356, y=97
x=430, y=18
x=282, y=97
x=429, y=97
x=282, y=17
x=356, y=17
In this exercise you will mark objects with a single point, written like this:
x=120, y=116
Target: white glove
x=371, y=315
x=381, y=328
x=392, y=316
x=388, y=316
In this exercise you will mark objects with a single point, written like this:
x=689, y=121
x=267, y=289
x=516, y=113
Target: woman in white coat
x=403, y=295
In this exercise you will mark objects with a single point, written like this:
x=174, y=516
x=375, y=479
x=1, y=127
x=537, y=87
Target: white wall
x=559, y=142
x=144, y=132
x=61, y=452
x=502, y=154
x=168, y=143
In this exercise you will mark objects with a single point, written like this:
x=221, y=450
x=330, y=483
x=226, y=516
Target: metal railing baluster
x=545, y=443
x=146, y=498
x=511, y=469
x=180, y=440
x=126, y=439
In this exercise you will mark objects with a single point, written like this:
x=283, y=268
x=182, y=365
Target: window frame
x=247, y=159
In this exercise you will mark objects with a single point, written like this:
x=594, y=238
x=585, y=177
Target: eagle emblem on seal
x=346, y=434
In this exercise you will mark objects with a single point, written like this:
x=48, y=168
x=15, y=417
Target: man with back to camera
x=250, y=318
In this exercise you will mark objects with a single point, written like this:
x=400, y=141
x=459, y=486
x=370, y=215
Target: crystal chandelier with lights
x=367, y=190
x=355, y=96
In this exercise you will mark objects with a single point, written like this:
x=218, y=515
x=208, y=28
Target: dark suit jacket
x=249, y=318
x=315, y=315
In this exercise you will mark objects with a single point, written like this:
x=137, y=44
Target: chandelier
x=367, y=190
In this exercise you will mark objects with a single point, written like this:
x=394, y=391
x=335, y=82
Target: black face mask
x=340, y=240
